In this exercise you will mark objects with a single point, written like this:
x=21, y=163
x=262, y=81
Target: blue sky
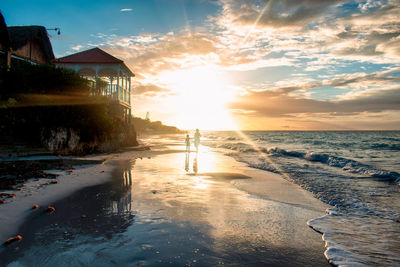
x=81, y=20
x=259, y=64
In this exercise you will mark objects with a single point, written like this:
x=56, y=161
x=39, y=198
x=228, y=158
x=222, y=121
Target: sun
x=201, y=97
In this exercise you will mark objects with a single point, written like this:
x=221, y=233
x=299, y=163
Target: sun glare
x=202, y=95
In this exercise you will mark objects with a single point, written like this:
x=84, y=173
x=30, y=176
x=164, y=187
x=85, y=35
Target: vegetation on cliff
x=53, y=107
x=147, y=126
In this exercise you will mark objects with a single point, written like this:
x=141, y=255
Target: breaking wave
x=345, y=164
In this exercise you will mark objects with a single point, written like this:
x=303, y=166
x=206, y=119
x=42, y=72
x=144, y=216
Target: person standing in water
x=197, y=139
x=187, y=142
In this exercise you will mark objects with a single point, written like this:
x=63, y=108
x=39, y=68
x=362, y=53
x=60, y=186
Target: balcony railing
x=113, y=91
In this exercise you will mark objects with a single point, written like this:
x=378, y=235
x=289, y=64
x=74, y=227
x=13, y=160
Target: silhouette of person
x=187, y=142
x=197, y=139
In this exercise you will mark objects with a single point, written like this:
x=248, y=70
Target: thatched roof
x=4, y=36
x=20, y=35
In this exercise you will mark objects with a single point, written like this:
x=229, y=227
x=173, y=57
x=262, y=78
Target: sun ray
x=263, y=155
x=256, y=22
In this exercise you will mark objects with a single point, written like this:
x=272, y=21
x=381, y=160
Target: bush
x=24, y=78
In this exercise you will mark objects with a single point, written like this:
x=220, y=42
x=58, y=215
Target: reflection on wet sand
x=187, y=162
x=121, y=198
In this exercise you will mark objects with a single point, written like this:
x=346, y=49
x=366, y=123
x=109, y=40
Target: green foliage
x=24, y=78
x=145, y=125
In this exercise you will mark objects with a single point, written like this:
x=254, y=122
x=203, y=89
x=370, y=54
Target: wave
x=345, y=164
x=383, y=146
x=231, y=138
x=363, y=220
x=240, y=147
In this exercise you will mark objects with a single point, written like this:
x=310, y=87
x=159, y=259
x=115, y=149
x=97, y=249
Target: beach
x=143, y=209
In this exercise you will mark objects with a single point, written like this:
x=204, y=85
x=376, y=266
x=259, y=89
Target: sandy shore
x=39, y=192
x=138, y=211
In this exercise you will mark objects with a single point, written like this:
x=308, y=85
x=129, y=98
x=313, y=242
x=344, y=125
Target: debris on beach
x=50, y=209
x=13, y=239
x=53, y=182
x=2, y=201
x=7, y=195
x=36, y=206
x=13, y=174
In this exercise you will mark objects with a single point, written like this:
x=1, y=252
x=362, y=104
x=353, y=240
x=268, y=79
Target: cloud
x=318, y=30
x=274, y=13
x=355, y=82
x=150, y=90
x=77, y=47
x=381, y=92
x=153, y=54
x=126, y=9
x=264, y=104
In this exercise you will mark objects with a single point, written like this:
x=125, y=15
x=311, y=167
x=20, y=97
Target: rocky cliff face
x=60, y=139
x=63, y=140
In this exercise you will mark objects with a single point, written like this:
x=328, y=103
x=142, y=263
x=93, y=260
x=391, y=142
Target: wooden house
x=31, y=43
x=110, y=76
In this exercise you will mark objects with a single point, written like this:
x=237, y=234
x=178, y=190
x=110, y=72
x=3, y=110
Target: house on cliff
x=27, y=43
x=109, y=75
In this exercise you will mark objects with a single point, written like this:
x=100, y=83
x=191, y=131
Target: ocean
x=356, y=172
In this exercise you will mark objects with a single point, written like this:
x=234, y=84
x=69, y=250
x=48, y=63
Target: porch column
x=129, y=90
x=123, y=88
x=110, y=88
x=126, y=89
x=96, y=76
x=117, y=84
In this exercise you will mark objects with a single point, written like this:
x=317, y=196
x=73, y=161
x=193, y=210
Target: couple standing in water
x=196, y=144
x=196, y=141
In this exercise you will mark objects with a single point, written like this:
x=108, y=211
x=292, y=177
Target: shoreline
x=232, y=172
x=42, y=193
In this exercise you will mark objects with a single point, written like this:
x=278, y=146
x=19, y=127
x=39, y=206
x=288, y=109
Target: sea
x=356, y=172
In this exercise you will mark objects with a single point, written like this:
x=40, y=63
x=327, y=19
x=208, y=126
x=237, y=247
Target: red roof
x=94, y=55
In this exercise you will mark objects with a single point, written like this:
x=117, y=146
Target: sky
x=249, y=65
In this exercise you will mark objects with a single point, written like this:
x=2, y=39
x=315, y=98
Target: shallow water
x=358, y=173
x=154, y=213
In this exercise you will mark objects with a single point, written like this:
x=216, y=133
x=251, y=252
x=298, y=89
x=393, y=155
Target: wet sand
x=154, y=213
